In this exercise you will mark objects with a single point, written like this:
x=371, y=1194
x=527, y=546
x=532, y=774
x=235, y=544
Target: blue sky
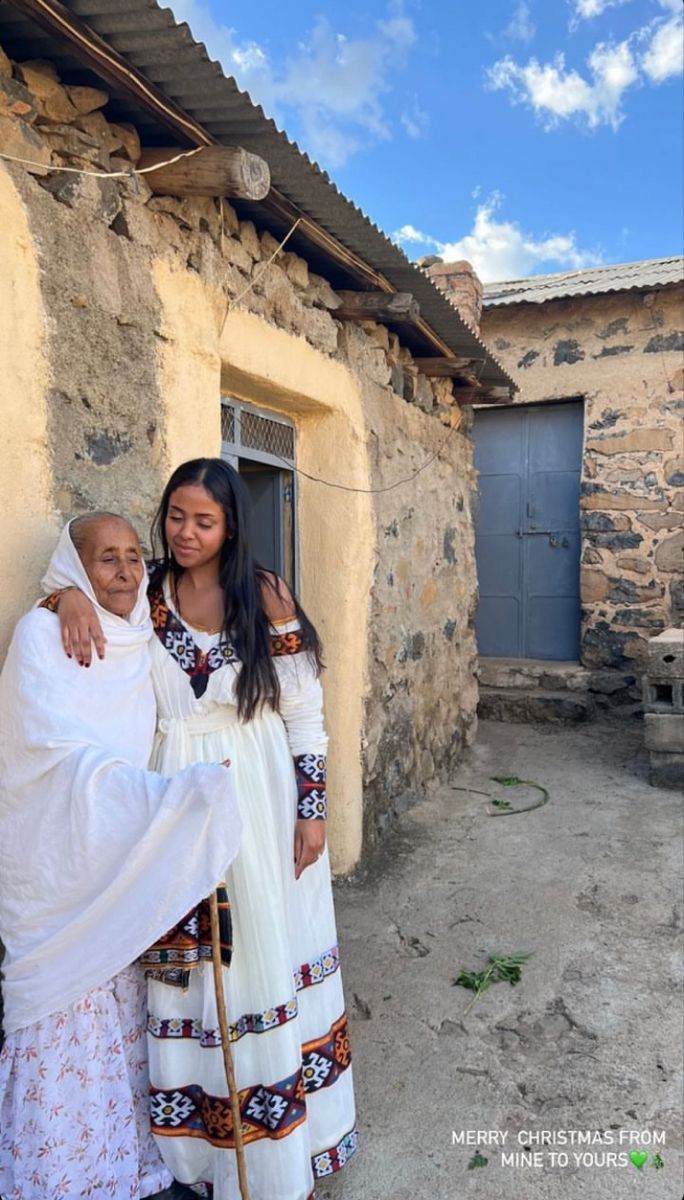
x=526, y=135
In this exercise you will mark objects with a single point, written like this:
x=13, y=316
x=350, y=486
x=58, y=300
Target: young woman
x=236, y=665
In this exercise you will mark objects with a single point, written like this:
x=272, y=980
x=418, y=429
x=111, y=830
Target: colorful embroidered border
x=326, y=1058
x=179, y=642
x=181, y=645
x=311, y=777
x=184, y=947
x=318, y=969
x=282, y=644
x=332, y=1160
x=308, y=975
x=267, y=1111
x=177, y=1027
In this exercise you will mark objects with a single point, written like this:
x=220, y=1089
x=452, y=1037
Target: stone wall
x=622, y=354
x=133, y=290
x=422, y=695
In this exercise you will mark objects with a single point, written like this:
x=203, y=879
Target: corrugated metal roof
x=166, y=53
x=650, y=273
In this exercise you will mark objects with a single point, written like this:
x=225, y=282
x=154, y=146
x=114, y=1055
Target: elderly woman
x=98, y=857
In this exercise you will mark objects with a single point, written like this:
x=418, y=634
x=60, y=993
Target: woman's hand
x=80, y=627
x=309, y=843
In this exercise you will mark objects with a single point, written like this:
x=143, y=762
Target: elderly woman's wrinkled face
x=113, y=561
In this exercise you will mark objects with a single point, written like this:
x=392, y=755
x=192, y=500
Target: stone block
x=669, y=554
x=320, y=293
x=5, y=65
x=96, y=125
x=530, y=707
x=21, y=140
x=73, y=143
x=51, y=98
x=664, y=732
x=87, y=99
x=16, y=100
x=250, y=240
x=296, y=269
x=663, y=697
x=632, y=441
x=607, y=683
x=666, y=770
x=666, y=655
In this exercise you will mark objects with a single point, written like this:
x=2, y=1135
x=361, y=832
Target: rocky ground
x=588, y=1041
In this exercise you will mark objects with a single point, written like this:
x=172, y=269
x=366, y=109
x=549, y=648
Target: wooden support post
x=211, y=171
x=385, y=307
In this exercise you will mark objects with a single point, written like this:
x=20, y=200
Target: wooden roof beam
x=385, y=307
x=208, y=171
x=445, y=367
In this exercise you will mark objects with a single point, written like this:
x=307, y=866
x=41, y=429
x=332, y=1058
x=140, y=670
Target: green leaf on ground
x=500, y=969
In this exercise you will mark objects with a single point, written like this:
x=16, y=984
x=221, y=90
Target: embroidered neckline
x=199, y=664
x=177, y=639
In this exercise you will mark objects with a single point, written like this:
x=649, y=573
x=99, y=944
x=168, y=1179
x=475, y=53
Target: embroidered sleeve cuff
x=51, y=602
x=310, y=772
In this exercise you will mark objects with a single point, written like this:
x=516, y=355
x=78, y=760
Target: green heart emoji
x=638, y=1158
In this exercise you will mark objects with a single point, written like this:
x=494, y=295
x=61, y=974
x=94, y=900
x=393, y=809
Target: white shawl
x=98, y=857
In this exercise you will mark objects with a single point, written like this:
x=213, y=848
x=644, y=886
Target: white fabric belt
x=194, y=726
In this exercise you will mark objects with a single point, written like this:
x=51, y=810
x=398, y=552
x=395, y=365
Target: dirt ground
x=588, y=1042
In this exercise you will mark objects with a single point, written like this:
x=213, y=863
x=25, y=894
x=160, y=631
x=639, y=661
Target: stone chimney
x=460, y=284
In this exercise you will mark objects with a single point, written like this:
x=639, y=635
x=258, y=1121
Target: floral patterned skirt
x=74, y=1102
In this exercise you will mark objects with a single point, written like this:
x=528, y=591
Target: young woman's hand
x=80, y=627
x=309, y=843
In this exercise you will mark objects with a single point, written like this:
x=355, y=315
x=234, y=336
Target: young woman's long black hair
x=242, y=579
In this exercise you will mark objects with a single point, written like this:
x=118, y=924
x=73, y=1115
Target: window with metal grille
x=260, y=436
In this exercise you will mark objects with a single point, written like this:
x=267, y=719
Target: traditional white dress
x=283, y=988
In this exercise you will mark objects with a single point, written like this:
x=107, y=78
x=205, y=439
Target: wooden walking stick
x=225, y=1046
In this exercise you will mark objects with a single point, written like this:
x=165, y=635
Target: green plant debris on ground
x=500, y=969
x=504, y=807
x=478, y=1160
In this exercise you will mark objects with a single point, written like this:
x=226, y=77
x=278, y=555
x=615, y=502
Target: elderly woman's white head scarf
x=66, y=569
x=98, y=856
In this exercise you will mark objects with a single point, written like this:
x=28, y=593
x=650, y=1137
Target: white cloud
x=556, y=93
x=501, y=249
x=584, y=10
x=415, y=120
x=664, y=56
x=333, y=84
x=521, y=27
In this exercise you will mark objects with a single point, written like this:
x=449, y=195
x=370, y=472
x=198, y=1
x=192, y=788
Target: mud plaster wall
x=133, y=291
x=623, y=354
x=29, y=523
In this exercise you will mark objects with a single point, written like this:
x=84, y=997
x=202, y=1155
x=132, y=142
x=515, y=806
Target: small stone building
x=146, y=320
x=581, y=508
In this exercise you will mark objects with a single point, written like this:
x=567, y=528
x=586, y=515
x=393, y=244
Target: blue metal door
x=527, y=535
